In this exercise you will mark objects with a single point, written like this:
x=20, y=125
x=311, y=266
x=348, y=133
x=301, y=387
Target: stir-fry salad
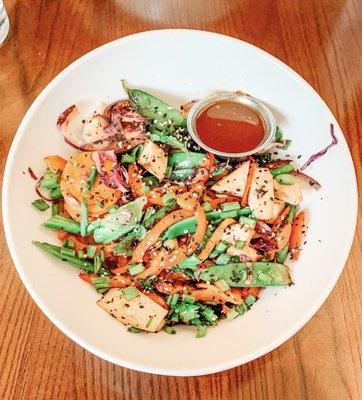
x=167, y=233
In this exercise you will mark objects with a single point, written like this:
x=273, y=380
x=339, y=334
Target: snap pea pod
x=180, y=175
x=259, y=274
x=180, y=160
x=149, y=106
x=284, y=169
x=282, y=254
x=159, y=214
x=62, y=223
x=75, y=261
x=188, y=225
x=158, y=136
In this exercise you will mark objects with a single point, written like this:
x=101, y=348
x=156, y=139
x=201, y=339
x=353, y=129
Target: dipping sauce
x=230, y=127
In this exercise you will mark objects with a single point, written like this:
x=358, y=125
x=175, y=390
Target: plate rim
x=344, y=253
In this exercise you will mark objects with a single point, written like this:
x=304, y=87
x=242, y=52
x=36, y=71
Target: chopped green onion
x=135, y=269
x=133, y=329
x=149, y=211
x=201, y=331
x=91, y=180
x=214, y=254
x=285, y=179
x=189, y=263
x=232, y=314
x=130, y=293
x=223, y=259
x=67, y=251
x=247, y=221
x=278, y=135
x=250, y=300
x=241, y=308
x=80, y=254
x=187, y=298
x=168, y=198
x=40, y=204
x=56, y=194
x=128, y=159
x=97, y=263
x=55, y=209
x=172, y=299
x=170, y=330
x=149, y=322
x=240, y=244
x=68, y=243
x=284, y=169
x=101, y=284
x=84, y=218
x=50, y=179
x=207, y=206
x=222, y=285
x=234, y=205
x=222, y=246
x=91, y=251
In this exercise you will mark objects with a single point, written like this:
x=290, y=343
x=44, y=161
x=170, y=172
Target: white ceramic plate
x=180, y=65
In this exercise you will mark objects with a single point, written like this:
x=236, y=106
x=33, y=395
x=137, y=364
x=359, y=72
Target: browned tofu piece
x=140, y=312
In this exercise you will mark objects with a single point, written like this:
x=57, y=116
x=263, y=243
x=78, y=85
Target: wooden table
x=319, y=39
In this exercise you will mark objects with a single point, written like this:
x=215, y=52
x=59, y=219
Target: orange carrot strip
x=279, y=222
x=249, y=179
x=296, y=235
x=216, y=202
x=215, y=238
x=87, y=277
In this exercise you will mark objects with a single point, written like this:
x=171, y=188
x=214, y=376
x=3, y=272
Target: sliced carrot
x=215, y=238
x=296, y=235
x=283, y=235
x=280, y=220
x=120, y=281
x=249, y=179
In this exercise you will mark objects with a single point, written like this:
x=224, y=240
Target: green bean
x=75, y=261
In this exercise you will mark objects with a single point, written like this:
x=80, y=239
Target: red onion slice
x=71, y=127
x=321, y=153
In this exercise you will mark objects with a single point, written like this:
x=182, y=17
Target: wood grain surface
x=321, y=40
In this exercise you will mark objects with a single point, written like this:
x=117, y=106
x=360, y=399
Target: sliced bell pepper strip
x=215, y=238
x=296, y=235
